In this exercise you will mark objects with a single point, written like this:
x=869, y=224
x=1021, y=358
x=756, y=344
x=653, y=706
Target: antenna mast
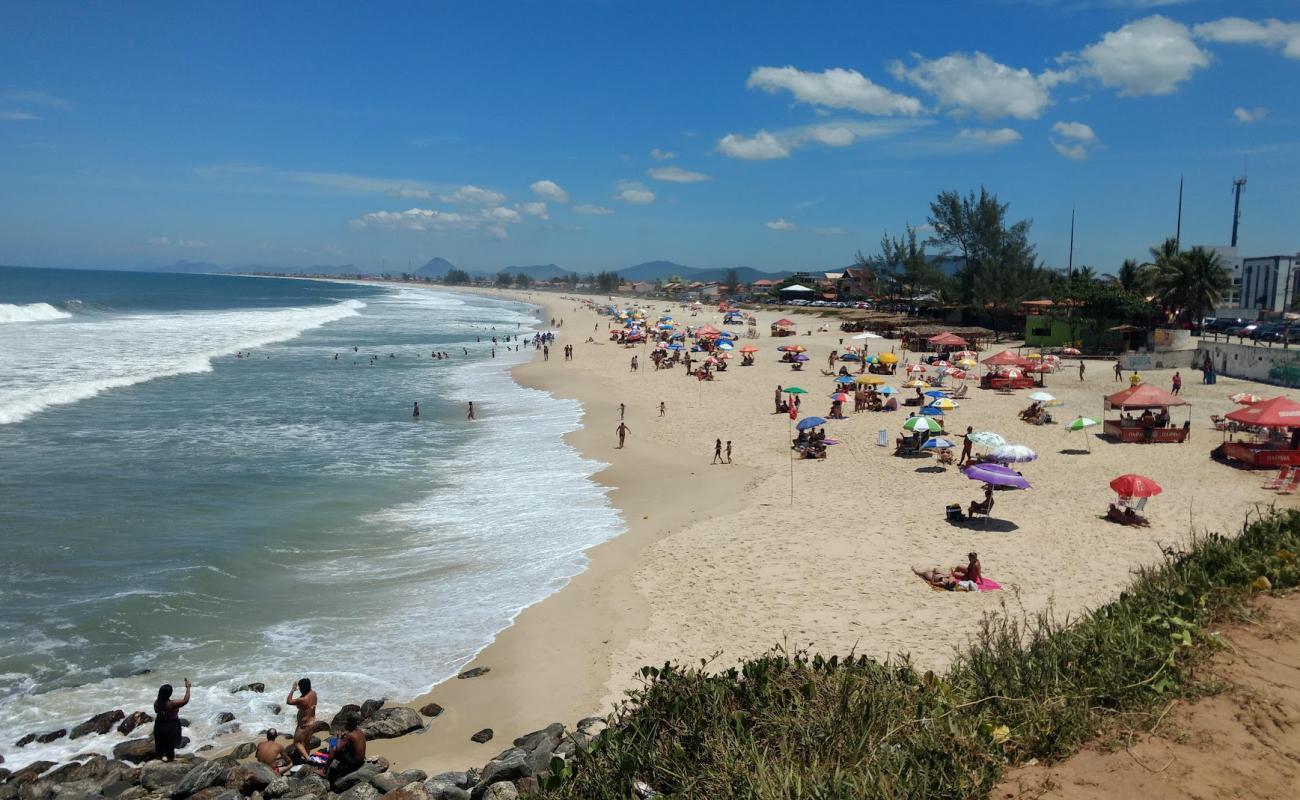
x=1178, y=228
x=1069, y=270
x=1237, y=185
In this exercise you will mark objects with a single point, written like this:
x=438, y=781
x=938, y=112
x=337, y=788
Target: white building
x=1267, y=283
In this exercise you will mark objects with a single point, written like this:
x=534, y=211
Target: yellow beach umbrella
x=1034, y=356
x=888, y=358
x=944, y=404
x=968, y=363
x=870, y=380
x=917, y=383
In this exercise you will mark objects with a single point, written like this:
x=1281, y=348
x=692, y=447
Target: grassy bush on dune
x=801, y=726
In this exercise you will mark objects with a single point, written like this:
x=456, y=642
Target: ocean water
x=168, y=506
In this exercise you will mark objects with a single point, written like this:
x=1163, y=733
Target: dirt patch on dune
x=1243, y=742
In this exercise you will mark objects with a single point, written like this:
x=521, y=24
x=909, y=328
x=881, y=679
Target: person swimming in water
x=416, y=411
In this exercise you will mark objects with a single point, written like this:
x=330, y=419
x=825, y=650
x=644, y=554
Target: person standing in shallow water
x=167, y=722
x=470, y=417
x=415, y=412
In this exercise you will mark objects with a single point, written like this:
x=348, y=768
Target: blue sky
x=600, y=134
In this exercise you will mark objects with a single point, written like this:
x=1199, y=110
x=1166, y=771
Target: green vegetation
x=799, y=725
x=456, y=277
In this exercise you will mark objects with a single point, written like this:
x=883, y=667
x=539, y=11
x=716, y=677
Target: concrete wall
x=1278, y=365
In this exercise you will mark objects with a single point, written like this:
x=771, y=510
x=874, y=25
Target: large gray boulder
x=247, y=778
x=156, y=775
x=277, y=788
x=389, y=723
x=461, y=779
x=411, y=791
x=201, y=776
x=391, y=781
x=308, y=784
x=362, y=775
x=100, y=723
x=508, y=766
x=135, y=750
x=362, y=791
x=445, y=790
x=133, y=720
x=501, y=790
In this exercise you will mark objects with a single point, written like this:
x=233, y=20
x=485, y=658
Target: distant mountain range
x=439, y=267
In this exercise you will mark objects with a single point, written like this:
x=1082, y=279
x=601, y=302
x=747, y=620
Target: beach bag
x=953, y=512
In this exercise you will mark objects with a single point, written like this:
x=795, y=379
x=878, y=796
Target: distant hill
x=435, y=267
x=662, y=270
x=538, y=272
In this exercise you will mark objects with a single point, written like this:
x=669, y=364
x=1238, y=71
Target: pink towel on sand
x=986, y=585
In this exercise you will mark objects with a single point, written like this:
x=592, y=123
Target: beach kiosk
x=1272, y=426
x=1152, y=423
x=783, y=327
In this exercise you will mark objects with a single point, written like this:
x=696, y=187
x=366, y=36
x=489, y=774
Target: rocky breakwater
x=133, y=773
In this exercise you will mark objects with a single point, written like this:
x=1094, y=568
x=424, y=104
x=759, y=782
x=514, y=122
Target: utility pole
x=1069, y=270
x=1237, y=185
x=1178, y=228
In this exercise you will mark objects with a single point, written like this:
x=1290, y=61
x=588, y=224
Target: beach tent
x=947, y=339
x=1276, y=413
x=1005, y=359
x=1144, y=395
x=783, y=327
x=795, y=291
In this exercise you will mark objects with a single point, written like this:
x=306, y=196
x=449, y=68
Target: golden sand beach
x=724, y=561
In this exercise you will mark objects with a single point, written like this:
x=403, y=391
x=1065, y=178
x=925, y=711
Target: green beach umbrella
x=1083, y=423
x=924, y=424
x=794, y=390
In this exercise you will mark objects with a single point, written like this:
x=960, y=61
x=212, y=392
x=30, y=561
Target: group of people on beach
x=346, y=754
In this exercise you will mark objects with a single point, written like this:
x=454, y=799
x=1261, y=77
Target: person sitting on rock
x=349, y=754
x=272, y=753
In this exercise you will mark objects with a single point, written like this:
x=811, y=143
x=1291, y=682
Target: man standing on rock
x=271, y=752
x=349, y=755
x=306, y=705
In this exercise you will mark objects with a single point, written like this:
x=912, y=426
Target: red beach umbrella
x=1135, y=486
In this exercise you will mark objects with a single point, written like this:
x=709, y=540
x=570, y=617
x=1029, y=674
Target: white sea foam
x=425, y=585
x=33, y=312
x=53, y=366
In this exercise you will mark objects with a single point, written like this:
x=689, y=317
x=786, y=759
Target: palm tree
x=1192, y=282
x=1130, y=276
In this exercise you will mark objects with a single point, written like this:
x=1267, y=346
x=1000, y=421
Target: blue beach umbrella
x=844, y=379
x=931, y=411
x=725, y=345
x=938, y=443
x=935, y=393
x=887, y=390
x=676, y=346
x=809, y=422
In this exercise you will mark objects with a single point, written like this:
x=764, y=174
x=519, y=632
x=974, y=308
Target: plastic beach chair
x=1279, y=479
x=1291, y=484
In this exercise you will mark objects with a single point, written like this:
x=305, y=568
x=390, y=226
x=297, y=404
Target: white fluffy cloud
x=533, y=209
x=662, y=155
x=834, y=88
x=837, y=133
x=1150, y=56
x=598, y=211
x=976, y=84
x=471, y=195
x=192, y=244
x=1248, y=115
x=17, y=116
x=550, y=190
x=1268, y=33
x=781, y=224
x=490, y=221
x=634, y=193
x=762, y=146
x=1074, y=140
x=677, y=175
x=990, y=136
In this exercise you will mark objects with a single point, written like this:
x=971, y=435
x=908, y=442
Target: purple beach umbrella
x=996, y=474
